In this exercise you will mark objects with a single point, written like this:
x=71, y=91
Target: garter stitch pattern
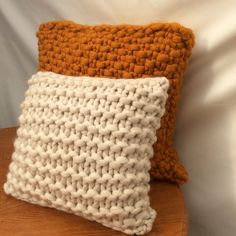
x=84, y=146
x=125, y=51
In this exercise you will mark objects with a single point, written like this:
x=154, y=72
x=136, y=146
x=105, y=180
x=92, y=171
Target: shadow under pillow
x=125, y=51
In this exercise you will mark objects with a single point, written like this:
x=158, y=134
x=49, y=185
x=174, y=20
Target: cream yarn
x=84, y=146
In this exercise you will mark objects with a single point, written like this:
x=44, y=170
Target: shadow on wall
x=17, y=63
x=202, y=141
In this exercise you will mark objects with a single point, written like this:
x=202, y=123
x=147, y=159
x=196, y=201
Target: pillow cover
x=84, y=146
x=125, y=51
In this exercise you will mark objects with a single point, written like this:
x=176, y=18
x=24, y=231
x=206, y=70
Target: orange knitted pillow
x=125, y=51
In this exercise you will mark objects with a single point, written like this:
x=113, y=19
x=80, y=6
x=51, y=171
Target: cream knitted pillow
x=84, y=146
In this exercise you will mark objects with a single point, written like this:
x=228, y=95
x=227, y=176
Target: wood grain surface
x=18, y=218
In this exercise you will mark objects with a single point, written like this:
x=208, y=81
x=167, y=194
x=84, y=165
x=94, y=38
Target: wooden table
x=18, y=218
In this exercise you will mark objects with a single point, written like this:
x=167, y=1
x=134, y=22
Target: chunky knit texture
x=84, y=146
x=125, y=51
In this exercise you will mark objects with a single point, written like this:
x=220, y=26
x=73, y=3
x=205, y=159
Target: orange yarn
x=125, y=51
